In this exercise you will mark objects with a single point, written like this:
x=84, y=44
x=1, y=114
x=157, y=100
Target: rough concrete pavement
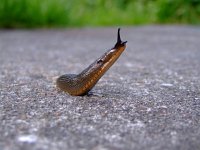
x=149, y=99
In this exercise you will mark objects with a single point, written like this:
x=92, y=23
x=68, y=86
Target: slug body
x=81, y=84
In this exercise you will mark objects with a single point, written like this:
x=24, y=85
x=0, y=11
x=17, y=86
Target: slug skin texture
x=81, y=84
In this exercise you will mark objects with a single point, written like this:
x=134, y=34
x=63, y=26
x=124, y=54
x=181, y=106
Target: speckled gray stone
x=149, y=99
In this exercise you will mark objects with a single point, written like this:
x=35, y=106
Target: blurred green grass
x=62, y=13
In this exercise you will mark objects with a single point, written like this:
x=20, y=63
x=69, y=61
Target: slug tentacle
x=82, y=83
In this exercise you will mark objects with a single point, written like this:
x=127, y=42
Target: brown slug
x=81, y=84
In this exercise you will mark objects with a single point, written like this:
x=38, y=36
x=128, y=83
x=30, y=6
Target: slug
x=81, y=84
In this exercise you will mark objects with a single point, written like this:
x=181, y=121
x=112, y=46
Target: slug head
x=119, y=43
x=115, y=52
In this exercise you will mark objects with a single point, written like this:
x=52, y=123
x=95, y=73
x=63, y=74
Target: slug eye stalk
x=81, y=84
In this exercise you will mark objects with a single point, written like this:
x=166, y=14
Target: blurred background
x=77, y=13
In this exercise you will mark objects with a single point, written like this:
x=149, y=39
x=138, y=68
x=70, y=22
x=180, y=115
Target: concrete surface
x=149, y=99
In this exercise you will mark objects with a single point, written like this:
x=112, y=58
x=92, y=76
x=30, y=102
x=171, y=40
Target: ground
x=148, y=100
